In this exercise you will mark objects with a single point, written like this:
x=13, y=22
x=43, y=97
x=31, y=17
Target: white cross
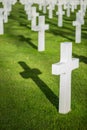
x=6, y=13
x=44, y=6
x=79, y=21
x=64, y=69
x=40, y=5
x=28, y=10
x=83, y=7
x=41, y=33
x=60, y=14
x=34, y=15
x=50, y=8
x=72, y=5
x=1, y=21
x=68, y=9
x=7, y=5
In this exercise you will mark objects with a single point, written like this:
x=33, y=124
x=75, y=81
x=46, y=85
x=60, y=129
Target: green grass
x=29, y=92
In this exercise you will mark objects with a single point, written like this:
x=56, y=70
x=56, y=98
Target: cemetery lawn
x=29, y=93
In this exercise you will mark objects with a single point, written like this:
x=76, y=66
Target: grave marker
x=60, y=14
x=79, y=21
x=68, y=9
x=50, y=8
x=34, y=15
x=64, y=69
x=41, y=33
x=1, y=21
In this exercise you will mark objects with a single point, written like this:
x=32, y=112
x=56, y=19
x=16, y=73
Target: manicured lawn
x=29, y=92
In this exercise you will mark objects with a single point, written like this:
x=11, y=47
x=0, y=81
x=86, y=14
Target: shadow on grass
x=84, y=35
x=33, y=74
x=28, y=40
x=65, y=31
x=81, y=58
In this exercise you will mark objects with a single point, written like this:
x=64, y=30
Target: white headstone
x=50, y=8
x=6, y=13
x=40, y=5
x=41, y=33
x=28, y=9
x=72, y=5
x=60, y=14
x=68, y=9
x=1, y=21
x=34, y=15
x=79, y=21
x=64, y=69
x=44, y=6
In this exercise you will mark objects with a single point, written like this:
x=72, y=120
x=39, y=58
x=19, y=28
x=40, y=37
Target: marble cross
x=50, y=8
x=6, y=14
x=29, y=10
x=83, y=7
x=60, y=14
x=40, y=5
x=34, y=15
x=41, y=33
x=8, y=6
x=64, y=69
x=68, y=9
x=72, y=6
x=79, y=21
x=44, y=6
x=1, y=21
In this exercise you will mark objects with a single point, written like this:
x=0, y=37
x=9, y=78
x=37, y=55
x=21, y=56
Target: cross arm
x=75, y=23
x=65, y=67
x=75, y=63
x=41, y=28
x=58, y=68
x=60, y=13
x=1, y=10
x=35, y=15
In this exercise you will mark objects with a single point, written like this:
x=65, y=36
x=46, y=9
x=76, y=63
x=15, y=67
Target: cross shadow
x=82, y=58
x=33, y=74
x=84, y=35
x=64, y=31
x=1, y=5
x=28, y=40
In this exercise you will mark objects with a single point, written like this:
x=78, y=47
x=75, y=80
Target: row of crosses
x=32, y=15
x=67, y=63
